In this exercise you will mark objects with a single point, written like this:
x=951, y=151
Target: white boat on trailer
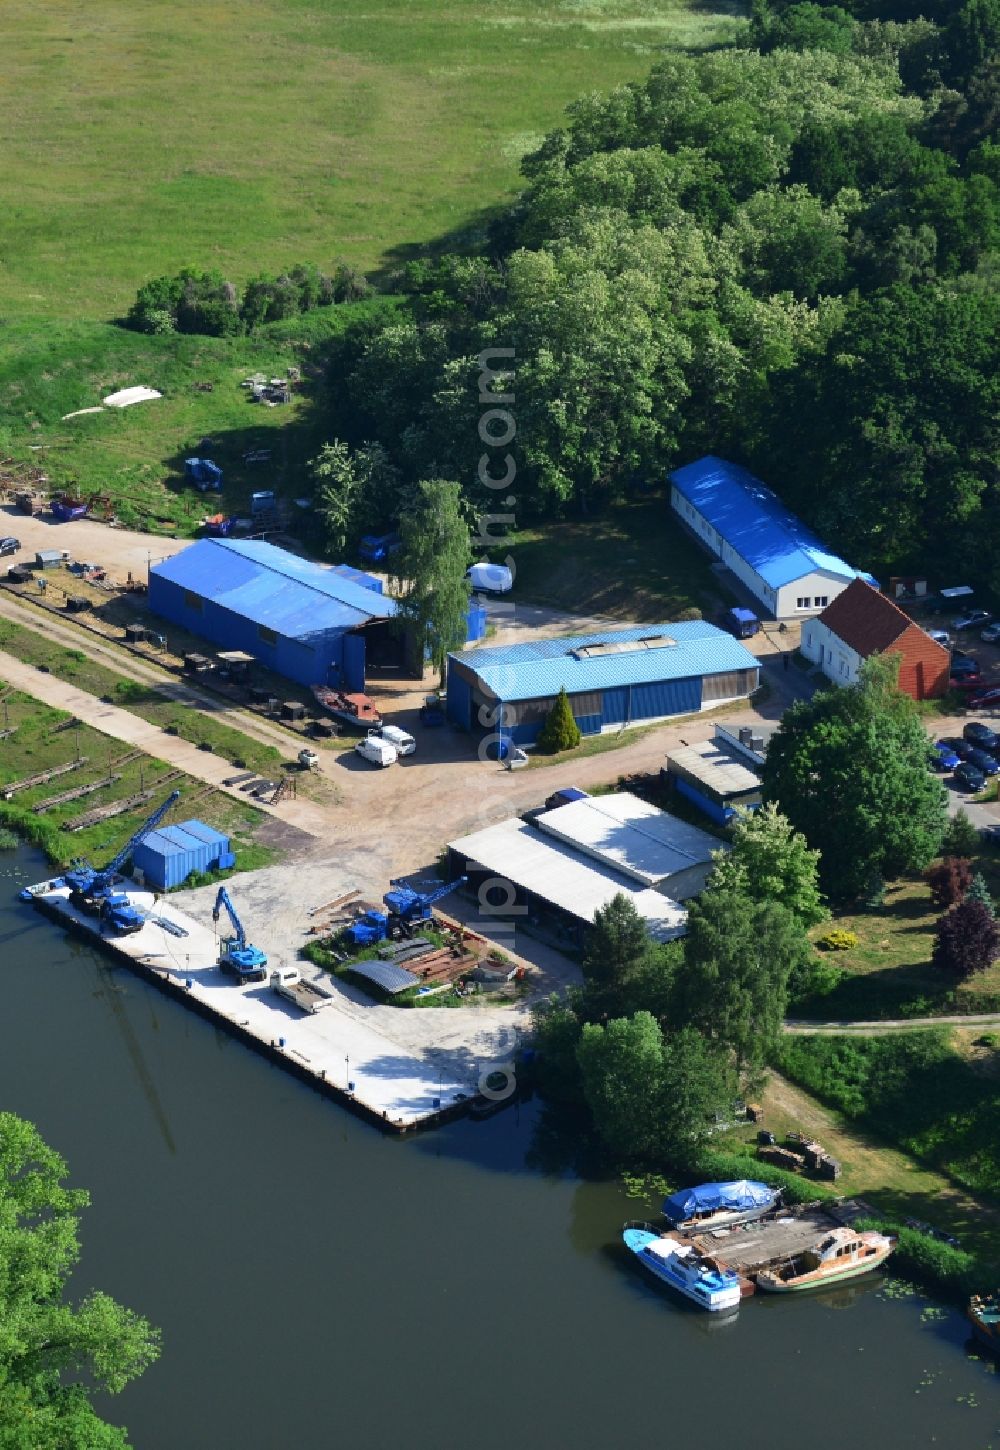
x=692, y=1273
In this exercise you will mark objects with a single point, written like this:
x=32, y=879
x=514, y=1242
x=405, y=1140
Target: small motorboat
x=694, y=1274
x=355, y=709
x=984, y=1315
x=719, y=1205
x=841, y=1254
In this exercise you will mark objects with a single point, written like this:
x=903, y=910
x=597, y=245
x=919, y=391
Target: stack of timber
x=118, y=808
x=41, y=778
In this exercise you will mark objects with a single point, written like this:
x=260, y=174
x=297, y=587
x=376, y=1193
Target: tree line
x=784, y=252
x=209, y=304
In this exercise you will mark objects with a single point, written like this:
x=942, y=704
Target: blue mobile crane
x=406, y=910
x=236, y=956
x=89, y=888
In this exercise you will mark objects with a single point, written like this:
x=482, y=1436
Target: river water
x=320, y=1285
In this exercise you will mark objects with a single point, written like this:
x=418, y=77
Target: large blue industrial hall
x=313, y=623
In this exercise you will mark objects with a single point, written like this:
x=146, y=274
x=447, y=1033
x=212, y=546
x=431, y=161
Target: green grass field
x=147, y=136
x=889, y=973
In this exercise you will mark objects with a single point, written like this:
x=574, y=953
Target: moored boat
x=355, y=709
x=984, y=1315
x=693, y=1274
x=841, y=1254
x=719, y=1205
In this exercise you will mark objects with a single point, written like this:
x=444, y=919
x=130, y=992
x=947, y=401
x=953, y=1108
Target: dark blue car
x=982, y=760
x=969, y=777
x=944, y=758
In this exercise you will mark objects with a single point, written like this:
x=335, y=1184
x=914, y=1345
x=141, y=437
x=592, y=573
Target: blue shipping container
x=168, y=856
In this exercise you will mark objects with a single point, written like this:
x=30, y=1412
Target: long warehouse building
x=626, y=677
x=313, y=623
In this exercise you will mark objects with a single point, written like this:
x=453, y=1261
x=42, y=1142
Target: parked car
x=990, y=835
x=960, y=747
x=969, y=777
x=376, y=751
x=973, y=619
x=986, y=699
x=9, y=545
x=984, y=761
x=991, y=634
x=944, y=757
x=980, y=736
x=401, y=739
x=964, y=667
x=940, y=636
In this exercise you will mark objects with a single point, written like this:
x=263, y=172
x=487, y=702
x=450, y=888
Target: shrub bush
x=8, y=840
x=560, y=731
x=838, y=940
x=949, y=879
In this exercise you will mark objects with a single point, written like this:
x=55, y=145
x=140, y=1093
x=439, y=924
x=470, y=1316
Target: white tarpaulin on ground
x=495, y=577
x=128, y=396
x=80, y=412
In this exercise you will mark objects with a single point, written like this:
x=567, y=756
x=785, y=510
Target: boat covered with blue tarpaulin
x=714, y=1205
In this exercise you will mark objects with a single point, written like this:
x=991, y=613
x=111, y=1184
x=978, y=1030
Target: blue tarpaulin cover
x=715, y=1197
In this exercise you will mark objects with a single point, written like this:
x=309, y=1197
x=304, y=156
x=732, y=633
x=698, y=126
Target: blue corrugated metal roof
x=540, y=668
x=775, y=544
x=292, y=596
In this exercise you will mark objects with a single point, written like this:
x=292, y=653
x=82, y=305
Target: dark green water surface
x=320, y=1285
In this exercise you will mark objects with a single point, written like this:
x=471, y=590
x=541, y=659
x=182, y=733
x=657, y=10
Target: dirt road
x=119, y=550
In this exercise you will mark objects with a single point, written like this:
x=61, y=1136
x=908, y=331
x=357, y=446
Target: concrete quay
x=333, y=1052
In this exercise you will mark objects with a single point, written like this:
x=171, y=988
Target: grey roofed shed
x=636, y=838
x=555, y=874
x=390, y=978
x=710, y=763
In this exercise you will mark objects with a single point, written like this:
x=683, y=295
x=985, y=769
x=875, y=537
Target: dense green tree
x=336, y=484
x=787, y=241
x=53, y=1355
x=889, y=440
x=625, y=970
x=769, y=860
x=961, y=837
x=431, y=565
x=967, y=940
x=849, y=769
x=804, y=26
x=651, y=1097
x=560, y=730
x=738, y=959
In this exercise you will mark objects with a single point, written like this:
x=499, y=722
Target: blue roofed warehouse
x=625, y=677
x=775, y=556
x=312, y=623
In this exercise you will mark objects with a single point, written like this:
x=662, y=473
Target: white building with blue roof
x=623, y=677
x=315, y=623
x=783, y=563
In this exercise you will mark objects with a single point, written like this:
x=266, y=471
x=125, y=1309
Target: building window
x=268, y=636
x=802, y=602
x=829, y=655
x=809, y=638
x=843, y=666
x=821, y=601
x=193, y=601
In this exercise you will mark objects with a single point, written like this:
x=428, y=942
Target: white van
x=403, y=742
x=377, y=751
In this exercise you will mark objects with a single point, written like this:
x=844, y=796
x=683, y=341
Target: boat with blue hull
x=711, y=1206
x=692, y=1273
